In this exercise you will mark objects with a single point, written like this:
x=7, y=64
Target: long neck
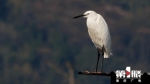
x=91, y=21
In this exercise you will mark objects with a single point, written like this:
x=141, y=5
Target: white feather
x=99, y=32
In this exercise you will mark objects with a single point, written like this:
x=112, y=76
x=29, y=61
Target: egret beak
x=78, y=16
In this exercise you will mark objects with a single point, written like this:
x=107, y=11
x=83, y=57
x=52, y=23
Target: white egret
x=99, y=34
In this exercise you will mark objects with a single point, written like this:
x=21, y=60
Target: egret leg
x=97, y=59
x=102, y=63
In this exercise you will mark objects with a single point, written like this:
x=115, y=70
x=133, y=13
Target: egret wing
x=105, y=35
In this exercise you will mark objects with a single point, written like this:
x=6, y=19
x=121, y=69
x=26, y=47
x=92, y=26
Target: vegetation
x=40, y=43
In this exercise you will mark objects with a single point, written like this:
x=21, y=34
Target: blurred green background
x=40, y=43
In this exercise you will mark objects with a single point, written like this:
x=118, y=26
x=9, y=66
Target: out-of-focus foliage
x=40, y=43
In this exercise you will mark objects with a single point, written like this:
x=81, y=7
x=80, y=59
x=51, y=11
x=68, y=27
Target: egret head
x=86, y=14
x=89, y=14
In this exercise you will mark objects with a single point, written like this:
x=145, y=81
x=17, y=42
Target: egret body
x=99, y=34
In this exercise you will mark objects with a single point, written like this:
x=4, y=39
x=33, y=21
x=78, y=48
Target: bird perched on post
x=99, y=34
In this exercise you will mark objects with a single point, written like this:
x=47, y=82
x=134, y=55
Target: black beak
x=78, y=16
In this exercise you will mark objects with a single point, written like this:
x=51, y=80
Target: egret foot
x=87, y=71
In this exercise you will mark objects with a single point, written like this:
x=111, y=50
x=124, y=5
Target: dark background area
x=40, y=43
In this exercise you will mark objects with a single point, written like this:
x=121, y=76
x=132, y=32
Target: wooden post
x=95, y=73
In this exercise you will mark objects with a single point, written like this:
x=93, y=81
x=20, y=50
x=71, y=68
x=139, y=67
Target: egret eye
x=87, y=14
